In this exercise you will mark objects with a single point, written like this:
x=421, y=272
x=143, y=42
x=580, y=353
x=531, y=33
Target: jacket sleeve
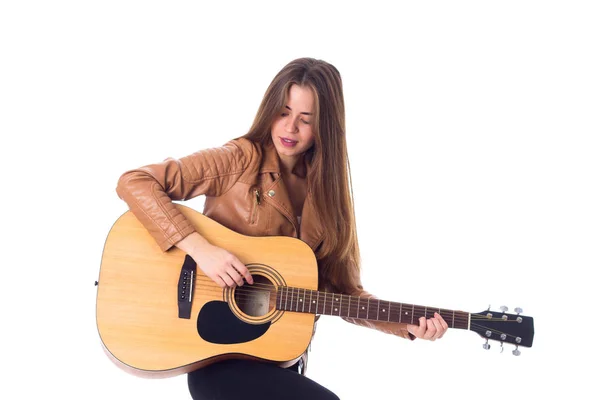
x=149, y=190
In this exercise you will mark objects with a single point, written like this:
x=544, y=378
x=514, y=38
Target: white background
x=472, y=130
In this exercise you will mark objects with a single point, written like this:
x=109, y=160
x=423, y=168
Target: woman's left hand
x=429, y=329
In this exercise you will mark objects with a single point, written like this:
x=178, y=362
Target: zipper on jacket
x=255, y=207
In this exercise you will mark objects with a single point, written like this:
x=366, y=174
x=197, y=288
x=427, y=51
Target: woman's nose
x=290, y=126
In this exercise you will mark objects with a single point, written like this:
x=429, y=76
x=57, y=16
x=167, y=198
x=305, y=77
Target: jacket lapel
x=276, y=194
x=311, y=230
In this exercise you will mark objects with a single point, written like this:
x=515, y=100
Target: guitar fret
x=332, y=296
x=358, y=307
x=412, y=314
x=368, y=305
x=349, y=303
x=303, y=300
x=294, y=295
x=389, y=310
x=297, y=300
x=400, y=316
x=453, y=318
x=279, y=295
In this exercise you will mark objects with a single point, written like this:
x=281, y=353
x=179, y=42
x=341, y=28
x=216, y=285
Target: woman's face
x=291, y=131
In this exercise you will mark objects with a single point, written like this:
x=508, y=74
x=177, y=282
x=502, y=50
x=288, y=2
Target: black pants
x=250, y=380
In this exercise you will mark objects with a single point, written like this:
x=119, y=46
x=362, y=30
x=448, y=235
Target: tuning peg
x=504, y=309
x=486, y=345
x=516, y=351
x=518, y=310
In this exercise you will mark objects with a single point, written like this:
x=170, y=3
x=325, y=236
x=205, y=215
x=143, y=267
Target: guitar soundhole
x=257, y=299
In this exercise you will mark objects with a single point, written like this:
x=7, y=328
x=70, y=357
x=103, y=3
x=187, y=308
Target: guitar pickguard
x=217, y=324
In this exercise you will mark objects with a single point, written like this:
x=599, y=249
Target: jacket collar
x=271, y=162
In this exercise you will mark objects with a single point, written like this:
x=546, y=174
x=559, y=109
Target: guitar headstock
x=514, y=329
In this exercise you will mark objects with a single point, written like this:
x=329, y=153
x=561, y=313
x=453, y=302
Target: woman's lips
x=288, y=142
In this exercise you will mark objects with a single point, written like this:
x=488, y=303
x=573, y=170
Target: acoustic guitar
x=159, y=315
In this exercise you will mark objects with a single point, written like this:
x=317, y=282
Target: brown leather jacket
x=244, y=192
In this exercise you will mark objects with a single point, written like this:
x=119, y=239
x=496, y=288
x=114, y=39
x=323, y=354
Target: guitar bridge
x=185, y=287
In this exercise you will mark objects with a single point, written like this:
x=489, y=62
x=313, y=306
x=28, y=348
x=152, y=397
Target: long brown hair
x=329, y=181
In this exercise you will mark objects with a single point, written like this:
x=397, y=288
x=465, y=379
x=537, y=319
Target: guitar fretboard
x=343, y=305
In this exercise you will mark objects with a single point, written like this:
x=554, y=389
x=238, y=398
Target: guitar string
x=244, y=294
x=271, y=288
x=354, y=299
x=241, y=294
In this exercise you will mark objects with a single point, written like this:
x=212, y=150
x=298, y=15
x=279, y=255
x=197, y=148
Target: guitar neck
x=343, y=305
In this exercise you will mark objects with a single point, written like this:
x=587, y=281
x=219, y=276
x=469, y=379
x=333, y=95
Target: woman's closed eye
x=303, y=121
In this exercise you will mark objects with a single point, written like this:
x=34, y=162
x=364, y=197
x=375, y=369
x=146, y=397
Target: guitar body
x=141, y=290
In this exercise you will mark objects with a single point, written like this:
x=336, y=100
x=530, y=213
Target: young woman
x=287, y=176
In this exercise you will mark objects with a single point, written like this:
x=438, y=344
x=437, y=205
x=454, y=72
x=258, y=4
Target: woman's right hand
x=217, y=263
